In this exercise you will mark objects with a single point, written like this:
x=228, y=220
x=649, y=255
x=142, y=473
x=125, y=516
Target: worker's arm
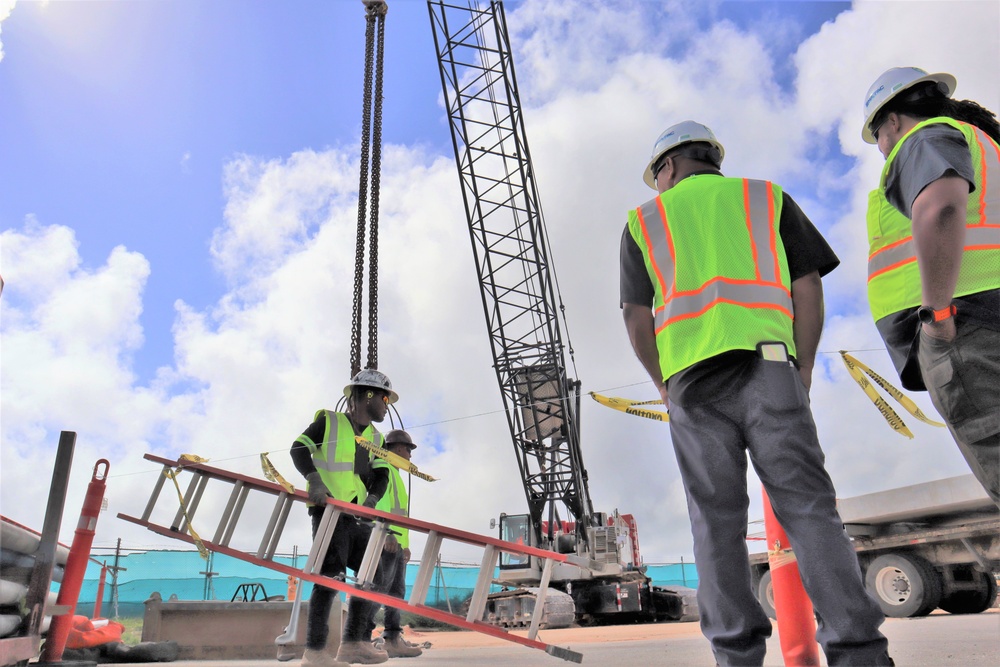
x=807, y=300
x=641, y=333
x=939, y=237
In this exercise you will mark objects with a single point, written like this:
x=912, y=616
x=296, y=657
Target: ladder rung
x=228, y=512
x=195, y=501
x=422, y=582
x=373, y=554
x=179, y=517
x=269, y=530
x=234, y=519
x=477, y=605
x=543, y=589
x=154, y=496
x=279, y=529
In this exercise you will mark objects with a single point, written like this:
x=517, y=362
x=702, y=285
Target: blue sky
x=178, y=183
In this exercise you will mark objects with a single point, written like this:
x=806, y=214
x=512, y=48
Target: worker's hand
x=663, y=395
x=391, y=544
x=371, y=501
x=806, y=374
x=318, y=493
x=406, y=555
x=944, y=330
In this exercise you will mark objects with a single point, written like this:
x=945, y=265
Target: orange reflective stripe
x=894, y=255
x=989, y=164
x=744, y=293
x=650, y=209
x=758, y=202
x=748, y=207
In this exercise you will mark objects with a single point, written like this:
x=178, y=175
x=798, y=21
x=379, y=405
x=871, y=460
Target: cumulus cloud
x=6, y=7
x=599, y=82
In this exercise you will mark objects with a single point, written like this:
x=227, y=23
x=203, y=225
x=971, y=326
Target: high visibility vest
x=718, y=268
x=334, y=457
x=893, y=273
x=396, y=501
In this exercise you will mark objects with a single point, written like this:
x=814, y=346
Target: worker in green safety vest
x=334, y=465
x=722, y=298
x=934, y=253
x=396, y=500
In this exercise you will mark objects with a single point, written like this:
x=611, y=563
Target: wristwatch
x=928, y=315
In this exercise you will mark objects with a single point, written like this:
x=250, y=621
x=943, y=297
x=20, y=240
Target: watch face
x=925, y=315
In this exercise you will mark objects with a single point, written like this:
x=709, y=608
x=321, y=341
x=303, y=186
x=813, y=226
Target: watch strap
x=940, y=315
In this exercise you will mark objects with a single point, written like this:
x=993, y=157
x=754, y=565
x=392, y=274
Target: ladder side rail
x=380, y=598
x=227, y=513
x=237, y=512
x=368, y=513
x=154, y=496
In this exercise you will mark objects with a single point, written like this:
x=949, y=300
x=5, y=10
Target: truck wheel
x=765, y=595
x=974, y=601
x=904, y=585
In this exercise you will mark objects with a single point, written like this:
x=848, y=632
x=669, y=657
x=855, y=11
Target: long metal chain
x=374, y=11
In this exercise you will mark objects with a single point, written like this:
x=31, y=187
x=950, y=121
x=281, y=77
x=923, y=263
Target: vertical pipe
x=76, y=565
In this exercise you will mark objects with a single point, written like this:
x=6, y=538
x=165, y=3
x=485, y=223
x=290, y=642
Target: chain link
x=376, y=174
x=359, y=257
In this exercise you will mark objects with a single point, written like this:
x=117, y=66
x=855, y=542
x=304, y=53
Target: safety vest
x=396, y=501
x=718, y=268
x=335, y=460
x=893, y=273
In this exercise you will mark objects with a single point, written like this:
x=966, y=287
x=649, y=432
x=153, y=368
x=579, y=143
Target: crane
x=519, y=290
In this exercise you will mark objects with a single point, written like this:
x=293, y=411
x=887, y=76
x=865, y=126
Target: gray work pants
x=963, y=379
x=769, y=418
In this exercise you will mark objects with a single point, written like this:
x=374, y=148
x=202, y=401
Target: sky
x=178, y=201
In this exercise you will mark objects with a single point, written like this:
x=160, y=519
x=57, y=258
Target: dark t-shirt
x=931, y=153
x=806, y=251
x=375, y=480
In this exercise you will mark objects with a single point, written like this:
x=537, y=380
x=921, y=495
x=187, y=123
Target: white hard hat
x=891, y=83
x=686, y=132
x=374, y=379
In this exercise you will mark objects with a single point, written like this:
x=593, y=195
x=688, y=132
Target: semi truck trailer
x=921, y=547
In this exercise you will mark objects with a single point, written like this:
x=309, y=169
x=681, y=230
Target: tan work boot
x=320, y=658
x=361, y=653
x=397, y=647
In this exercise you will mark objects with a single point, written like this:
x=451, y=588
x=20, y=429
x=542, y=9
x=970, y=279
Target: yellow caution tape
x=902, y=398
x=272, y=474
x=628, y=406
x=854, y=367
x=394, y=459
x=172, y=474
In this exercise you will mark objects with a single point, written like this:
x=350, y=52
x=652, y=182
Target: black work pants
x=346, y=550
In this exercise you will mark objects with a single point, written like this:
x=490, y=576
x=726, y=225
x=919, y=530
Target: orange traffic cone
x=796, y=620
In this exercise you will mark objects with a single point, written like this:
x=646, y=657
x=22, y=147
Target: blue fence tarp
x=183, y=573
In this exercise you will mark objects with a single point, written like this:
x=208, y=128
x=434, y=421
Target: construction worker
x=723, y=304
x=397, y=501
x=934, y=253
x=334, y=465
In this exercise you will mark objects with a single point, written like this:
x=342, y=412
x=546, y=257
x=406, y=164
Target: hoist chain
x=374, y=11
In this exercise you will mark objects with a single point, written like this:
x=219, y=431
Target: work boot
x=397, y=647
x=360, y=653
x=320, y=658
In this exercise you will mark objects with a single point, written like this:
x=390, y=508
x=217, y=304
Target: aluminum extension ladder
x=243, y=485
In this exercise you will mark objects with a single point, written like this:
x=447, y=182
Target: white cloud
x=602, y=80
x=6, y=7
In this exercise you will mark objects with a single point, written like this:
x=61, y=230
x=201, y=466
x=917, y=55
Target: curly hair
x=928, y=100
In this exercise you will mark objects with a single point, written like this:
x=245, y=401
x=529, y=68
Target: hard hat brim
x=647, y=175
x=938, y=77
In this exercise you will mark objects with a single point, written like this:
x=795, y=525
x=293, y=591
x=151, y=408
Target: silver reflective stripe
x=988, y=198
x=691, y=304
x=760, y=210
x=334, y=466
x=656, y=228
x=397, y=507
x=901, y=253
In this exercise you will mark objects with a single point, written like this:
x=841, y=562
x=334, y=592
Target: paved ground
x=935, y=641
